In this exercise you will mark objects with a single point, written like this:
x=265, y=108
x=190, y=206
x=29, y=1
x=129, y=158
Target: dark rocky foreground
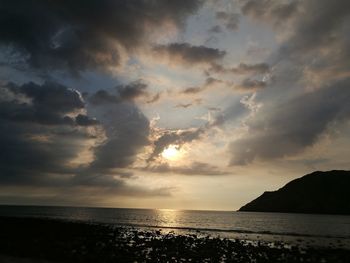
x=41, y=240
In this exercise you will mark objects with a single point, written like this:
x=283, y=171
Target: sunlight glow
x=168, y=217
x=171, y=152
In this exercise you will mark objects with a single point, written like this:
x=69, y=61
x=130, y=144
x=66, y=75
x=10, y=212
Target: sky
x=185, y=104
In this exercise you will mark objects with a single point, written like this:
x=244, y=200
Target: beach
x=49, y=240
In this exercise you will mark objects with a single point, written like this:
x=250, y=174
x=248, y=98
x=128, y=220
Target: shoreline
x=289, y=238
x=66, y=241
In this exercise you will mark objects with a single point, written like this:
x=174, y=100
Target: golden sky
x=170, y=104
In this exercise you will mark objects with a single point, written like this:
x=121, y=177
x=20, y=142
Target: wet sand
x=43, y=240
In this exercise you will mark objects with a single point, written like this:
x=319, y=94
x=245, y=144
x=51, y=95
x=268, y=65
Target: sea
x=309, y=230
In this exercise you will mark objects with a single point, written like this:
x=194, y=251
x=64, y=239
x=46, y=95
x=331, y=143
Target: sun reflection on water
x=168, y=217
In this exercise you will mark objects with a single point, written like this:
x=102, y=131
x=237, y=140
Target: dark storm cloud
x=290, y=128
x=133, y=90
x=52, y=96
x=82, y=35
x=37, y=138
x=46, y=104
x=41, y=151
x=230, y=20
x=188, y=54
x=84, y=120
x=127, y=131
x=195, y=168
x=102, y=97
x=129, y=92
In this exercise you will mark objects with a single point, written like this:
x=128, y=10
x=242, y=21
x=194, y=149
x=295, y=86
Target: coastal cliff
x=317, y=193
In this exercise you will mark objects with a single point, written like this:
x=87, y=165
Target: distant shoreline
x=103, y=207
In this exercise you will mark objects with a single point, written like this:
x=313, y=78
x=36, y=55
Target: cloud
x=130, y=92
x=247, y=85
x=311, y=75
x=177, y=137
x=317, y=41
x=190, y=104
x=84, y=120
x=126, y=130
x=215, y=29
x=50, y=138
x=271, y=10
x=192, y=90
x=320, y=42
x=195, y=168
x=230, y=20
x=102, y=97
x=214, y=108
x=39, y=136
x=183, y=105
x=79, y=35
x=164, y=138
x=289, y=128
x=242, y=68
x=210, y=82
x=321, y=28
x=250, y=85
x=47, y=104
x=189, y=55
x=256, y=51
x=156, y=97
x=133, y=90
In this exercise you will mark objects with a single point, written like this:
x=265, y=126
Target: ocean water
x=302, y=229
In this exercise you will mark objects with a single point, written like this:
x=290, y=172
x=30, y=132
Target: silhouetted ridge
x=318, y=192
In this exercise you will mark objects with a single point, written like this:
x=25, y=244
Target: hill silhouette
x=317, y=193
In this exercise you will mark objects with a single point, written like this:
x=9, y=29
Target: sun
x=171, y=152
